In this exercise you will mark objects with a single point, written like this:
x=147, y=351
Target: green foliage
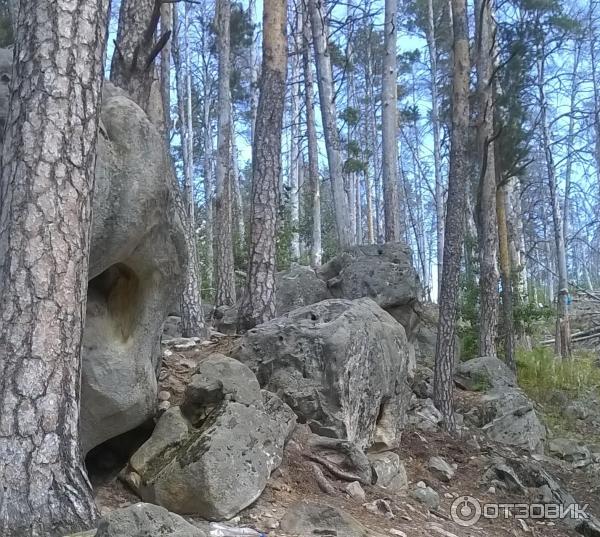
x=529, y=317
x=541, y=374
x=351, y=116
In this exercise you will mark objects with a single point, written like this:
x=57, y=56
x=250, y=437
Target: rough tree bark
x=316, y=248
x=443, y=390
x=253, y=71
x=225, y=295
x=132, y=66
x=259, y=300
x=191, y=306
x=48, y=165
x=166, y=26
x=487, y=226
x=317, y=10
x=389, y=131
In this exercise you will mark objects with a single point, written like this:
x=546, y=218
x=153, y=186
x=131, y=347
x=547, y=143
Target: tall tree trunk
x=506, y=280
x=132, y=66
x=226, y=295
x=443, y=390
x=595, y=87
x=259, y=300
x=238, y=205
x=563, y=329
x=389, y=132
x=316, y=248
x=191, y=305
x=208, y=169
x=435, y=126
x=294, y=175
x=487, y=226
x=253, y=70
x=48, y=166
x=318, y=15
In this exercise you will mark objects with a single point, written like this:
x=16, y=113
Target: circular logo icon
x=466, y=511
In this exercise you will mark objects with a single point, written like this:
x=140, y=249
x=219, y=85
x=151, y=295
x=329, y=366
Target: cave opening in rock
x=104, y=462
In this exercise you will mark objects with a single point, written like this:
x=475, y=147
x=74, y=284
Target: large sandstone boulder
x=341, y=365
x=137, y=258
x=484, y=373
x=306, y=518
x=299, y=286
x=213, y=456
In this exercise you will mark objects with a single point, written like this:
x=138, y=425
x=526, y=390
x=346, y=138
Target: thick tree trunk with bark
x=132, y=66
x=318, y=15
x=48, y=165
x=259, y=300
x=226, y=294
x=389, y=132
x=294, y=175
x=316, y=248
x=487, y=226
x=253, y=71
x=443, y=391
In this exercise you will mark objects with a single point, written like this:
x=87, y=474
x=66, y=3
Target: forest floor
x=294, y=480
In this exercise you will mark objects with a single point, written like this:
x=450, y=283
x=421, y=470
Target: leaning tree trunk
x=259, y=300
x=487, y=226
x=389, y=131
x=317, y=10
x=132, y=66
x=225, y=295
x=443, y=389
x=191, y=306
x=316, y=248
x=48, y=166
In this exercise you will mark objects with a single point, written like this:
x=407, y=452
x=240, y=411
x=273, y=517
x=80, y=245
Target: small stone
x=492, y=490
x=440, y=469
x=355, y=491
x=164, y=395
x=380, y=507
x=397, y=532
x=427, y=496
x=421, y=485
x=163, y=406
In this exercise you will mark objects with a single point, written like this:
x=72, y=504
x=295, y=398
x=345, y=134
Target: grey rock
x=570, y=450
x=297, y=287
x=484, y=373
x=509, y=417
x=281, y=413
x=424, y=416
x=306, y=518
x=137, y=258
x=219, y=468
x=341, y=365
x=388, y=470
x=440, y=469
x=354, y=490
x=427, y=496
x=216, y=378
x=145, y=520
x=578, y=411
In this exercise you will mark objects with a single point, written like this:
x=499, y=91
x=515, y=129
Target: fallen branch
x=321, y=480
x=337, y=472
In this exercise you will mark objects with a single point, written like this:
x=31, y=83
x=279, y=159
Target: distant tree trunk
x=443, y=391
x=563, y=329
x=389, y=132
x=435, y=126
x=487, y=226
x=259, y=300
x=238, y=205
x=253, y=71
x=191, y=304
x=294, y=175
x=318, y=16
x=166, y=26
x=316, y=249
x=226, y=295
x=595, y=87
x=48, y=167
x=132, y=65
